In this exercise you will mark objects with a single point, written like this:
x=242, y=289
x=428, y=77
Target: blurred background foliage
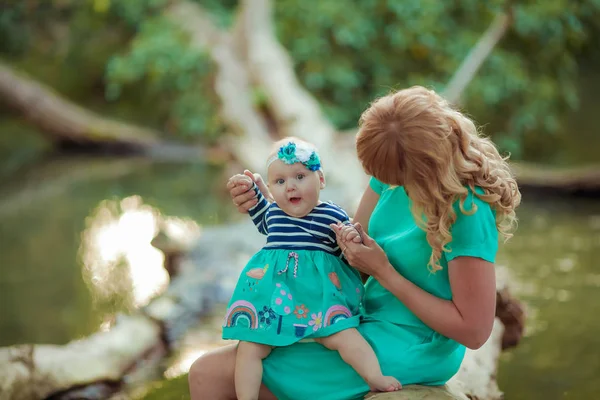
x=127, y=60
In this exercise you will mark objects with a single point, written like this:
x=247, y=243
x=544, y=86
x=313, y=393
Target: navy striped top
x=311, y=232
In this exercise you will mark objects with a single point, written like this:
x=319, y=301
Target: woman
x=438, y=197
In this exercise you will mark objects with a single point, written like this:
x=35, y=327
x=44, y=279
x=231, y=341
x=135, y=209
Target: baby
x=298, y=286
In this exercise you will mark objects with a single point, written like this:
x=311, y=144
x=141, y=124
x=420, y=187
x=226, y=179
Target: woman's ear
x=321, y=179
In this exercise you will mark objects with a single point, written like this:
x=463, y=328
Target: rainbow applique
x=241, y=310
x=335, y=314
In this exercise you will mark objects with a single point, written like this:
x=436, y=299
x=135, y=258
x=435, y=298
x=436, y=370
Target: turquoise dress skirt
x=406, y=348
x=285, y=296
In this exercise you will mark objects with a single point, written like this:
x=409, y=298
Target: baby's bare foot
x=384, y=384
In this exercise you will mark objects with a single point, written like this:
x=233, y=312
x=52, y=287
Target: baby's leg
x=249, y=370
x=357, y=352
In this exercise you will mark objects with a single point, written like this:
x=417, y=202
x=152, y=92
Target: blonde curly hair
x=414, y=138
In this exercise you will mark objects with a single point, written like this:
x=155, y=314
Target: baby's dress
x=297, y=286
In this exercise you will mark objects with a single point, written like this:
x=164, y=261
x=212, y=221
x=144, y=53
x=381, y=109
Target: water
x=75, y=248
x=76, y=240
x=554, y=260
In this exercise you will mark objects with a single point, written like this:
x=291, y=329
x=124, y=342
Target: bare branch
x=478, y=54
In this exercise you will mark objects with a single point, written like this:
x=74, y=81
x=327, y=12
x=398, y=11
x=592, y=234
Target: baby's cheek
x=277, y=193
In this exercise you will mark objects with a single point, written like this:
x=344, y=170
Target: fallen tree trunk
x=296, y=111
x=40, y=371
x=585, y=179
x=251, y=142
x=62, y=120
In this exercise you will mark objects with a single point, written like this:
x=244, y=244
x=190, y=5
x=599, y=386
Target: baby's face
x=294, y=187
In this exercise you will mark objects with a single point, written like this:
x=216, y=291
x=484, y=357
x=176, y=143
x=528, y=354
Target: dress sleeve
x=474, y=235
x=377, y=186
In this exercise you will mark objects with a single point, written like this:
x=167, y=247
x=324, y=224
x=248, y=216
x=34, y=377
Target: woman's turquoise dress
x=406, y=348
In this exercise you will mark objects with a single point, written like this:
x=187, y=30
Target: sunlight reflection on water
x=116, y=252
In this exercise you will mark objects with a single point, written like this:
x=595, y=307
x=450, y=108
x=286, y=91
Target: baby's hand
x=350, y=234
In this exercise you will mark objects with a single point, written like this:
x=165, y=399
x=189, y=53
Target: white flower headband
x=297, y=153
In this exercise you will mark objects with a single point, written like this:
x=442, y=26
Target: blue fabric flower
x=287, y=153
x=313, y=163
x=303, y=154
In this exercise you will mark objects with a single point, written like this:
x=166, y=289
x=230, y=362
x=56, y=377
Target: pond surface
x=554, y=262
x=76, y=240
x=76, y=247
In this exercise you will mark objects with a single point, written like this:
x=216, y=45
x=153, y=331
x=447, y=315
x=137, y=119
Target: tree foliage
x=346, y=56
x=161, y=59
x=349, y=55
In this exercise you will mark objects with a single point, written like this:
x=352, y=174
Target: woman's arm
x=469, y=317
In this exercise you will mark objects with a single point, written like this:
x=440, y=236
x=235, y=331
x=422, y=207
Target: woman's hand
x=367, y=257
x=240, y=190
x=349, y=233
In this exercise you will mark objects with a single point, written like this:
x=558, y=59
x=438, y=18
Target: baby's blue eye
x=280, y=181
x=300, y=177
